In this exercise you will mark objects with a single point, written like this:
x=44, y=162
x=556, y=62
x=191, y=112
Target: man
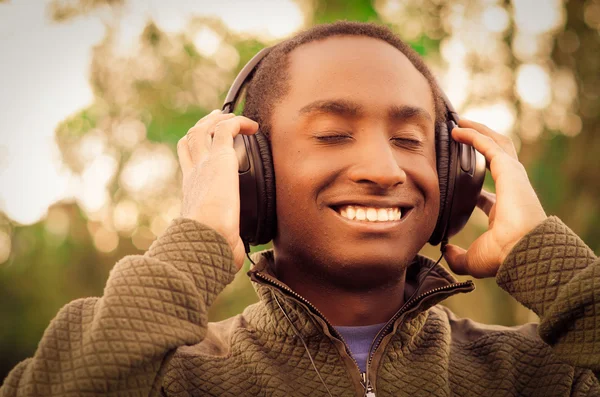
x=351, y=115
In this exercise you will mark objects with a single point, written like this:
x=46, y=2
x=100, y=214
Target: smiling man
x=352, y=116
x=353, y=135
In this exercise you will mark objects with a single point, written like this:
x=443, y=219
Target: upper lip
x=371, y=202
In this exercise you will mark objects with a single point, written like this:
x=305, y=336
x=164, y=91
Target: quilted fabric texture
x=148, y=334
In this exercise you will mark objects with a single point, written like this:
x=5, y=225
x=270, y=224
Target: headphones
x=461, y=171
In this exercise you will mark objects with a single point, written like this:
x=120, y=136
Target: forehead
x=363, y=69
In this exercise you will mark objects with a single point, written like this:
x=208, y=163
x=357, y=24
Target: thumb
x=456, y=257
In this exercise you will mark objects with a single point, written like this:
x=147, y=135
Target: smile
x=370, y=214
x=372, y=219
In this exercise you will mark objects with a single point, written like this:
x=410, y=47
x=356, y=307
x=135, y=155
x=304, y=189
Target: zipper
x=369, y=389
x=408, y=305
x=366, y=384
x=276, y=283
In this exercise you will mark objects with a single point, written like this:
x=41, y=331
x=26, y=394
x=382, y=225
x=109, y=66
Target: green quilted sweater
x=149, y=335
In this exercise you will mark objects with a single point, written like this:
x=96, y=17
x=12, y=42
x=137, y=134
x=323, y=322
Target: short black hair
x=269, y=83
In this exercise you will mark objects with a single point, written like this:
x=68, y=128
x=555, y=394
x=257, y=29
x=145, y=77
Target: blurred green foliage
x=167, y=85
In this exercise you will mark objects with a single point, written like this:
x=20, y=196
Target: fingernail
x=216, y=111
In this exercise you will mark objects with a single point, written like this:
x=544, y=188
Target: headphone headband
x=240, y=81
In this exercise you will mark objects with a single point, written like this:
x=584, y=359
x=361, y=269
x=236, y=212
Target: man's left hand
x=513, y=211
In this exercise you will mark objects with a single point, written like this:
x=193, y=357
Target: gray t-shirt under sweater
x=359, y=341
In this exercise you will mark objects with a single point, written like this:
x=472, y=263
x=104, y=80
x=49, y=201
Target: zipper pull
x=370, y=392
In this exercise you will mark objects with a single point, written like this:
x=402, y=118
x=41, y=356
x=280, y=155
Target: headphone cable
x=303, y=342
x=296, y=333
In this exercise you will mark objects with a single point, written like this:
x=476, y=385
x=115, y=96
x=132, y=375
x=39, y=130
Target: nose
x=376, y=163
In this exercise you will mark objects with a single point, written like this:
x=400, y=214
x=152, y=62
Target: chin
x=360, y=268
x=356, y=258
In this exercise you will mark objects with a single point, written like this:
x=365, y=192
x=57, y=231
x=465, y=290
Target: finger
x=183, y=152
x=456, y=257
x=502, y=140
x=484, y=144
x=216, y=111
x=205, y=118
x=199, y=136
x=486, y=201
x=226, y=130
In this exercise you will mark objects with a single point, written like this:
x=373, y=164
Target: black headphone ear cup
x=266, y=199
x=445, y=154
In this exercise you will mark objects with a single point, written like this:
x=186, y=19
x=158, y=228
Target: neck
x=342, y=306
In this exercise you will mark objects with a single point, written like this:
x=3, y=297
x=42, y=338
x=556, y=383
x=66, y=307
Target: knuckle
x=202, y=121
x=508, y=143
x=191, y=138
x=213, y=113
x=222, y=153
x=219, y=127
x=510, y=162
x=520, y=167
x=487, y=140
x=222, y=125
x=194, y=130
x=479, y=125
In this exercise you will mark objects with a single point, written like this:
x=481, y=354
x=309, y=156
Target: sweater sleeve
x=119, y=344
x=554, y=273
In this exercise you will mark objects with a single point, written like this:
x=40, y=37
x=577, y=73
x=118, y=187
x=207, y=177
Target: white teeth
x=382, y=215
x=370, y=214
x=350, y=212
x=360, y=214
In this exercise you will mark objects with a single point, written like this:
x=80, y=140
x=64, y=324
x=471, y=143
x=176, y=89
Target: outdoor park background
x=94, y=95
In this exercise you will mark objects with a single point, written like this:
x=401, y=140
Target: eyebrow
x=347, y=108
x=404, y=112
x=340, y=107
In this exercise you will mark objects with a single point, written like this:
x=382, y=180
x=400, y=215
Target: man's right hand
x=210, y=175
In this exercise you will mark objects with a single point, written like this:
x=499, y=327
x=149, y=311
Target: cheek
x=431, y=181
x=423, y=172
x=292, y=184
x=300, y=172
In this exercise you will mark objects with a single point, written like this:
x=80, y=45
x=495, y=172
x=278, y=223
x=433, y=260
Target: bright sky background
x=44, y=79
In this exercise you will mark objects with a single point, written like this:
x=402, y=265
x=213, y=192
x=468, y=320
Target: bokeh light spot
x=538, y=16
x=57, y=222
x=207, y=41
x=495, y=19
x=125, y=215
x=106, y=240
x=533, y=85
x=498, y=116
x=142, y=238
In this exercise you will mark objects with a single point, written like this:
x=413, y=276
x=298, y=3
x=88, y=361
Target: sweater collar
x=432, y=281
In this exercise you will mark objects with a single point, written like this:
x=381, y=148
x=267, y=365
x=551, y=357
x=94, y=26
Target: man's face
x=355, y=133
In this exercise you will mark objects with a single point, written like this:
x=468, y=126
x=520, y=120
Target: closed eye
x=333, y=138
x=408, y=143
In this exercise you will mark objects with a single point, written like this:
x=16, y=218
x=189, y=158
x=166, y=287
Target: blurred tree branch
x=64, y=10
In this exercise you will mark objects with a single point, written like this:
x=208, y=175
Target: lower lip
x=373, y=227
